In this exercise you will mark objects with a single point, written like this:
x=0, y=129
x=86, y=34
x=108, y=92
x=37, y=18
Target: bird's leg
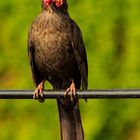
x=71, y=91
x=38, y=93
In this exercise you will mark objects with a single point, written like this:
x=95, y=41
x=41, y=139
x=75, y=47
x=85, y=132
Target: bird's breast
x=54, y=51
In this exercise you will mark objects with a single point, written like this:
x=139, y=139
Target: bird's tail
x=70, y=120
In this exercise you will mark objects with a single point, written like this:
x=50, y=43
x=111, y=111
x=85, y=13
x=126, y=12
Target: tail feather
x=70, y=121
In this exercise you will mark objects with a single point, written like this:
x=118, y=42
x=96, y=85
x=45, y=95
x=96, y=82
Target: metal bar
x=89, y=94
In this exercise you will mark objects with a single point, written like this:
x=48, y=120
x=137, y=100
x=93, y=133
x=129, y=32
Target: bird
x=57, y=54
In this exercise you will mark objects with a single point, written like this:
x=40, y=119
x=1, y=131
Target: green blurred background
x=112, y=37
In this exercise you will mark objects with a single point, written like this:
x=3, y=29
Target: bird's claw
x=71, y=91
x=38, y=94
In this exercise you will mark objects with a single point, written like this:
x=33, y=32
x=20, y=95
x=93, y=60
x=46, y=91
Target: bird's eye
x=59, y=3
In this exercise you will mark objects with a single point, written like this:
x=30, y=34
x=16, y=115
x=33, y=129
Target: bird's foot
x=71, y=91
x=38, y=93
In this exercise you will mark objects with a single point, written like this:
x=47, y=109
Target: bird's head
x=58, y=3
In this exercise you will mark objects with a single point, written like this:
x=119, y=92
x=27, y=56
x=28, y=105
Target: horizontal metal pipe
x=89, y=94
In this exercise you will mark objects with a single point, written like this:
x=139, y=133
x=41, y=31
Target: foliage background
x=111, y=33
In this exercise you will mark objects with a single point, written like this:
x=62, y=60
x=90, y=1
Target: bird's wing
x=37, y=77
x=80, y=54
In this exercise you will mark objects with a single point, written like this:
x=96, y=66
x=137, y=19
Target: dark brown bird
x=57, y=54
